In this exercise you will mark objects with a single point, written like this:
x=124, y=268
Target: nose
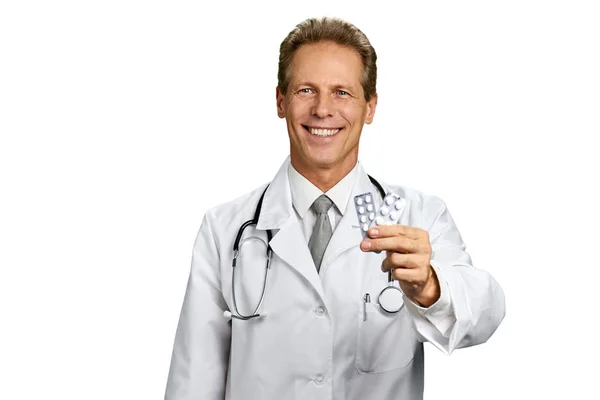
x=323, y=106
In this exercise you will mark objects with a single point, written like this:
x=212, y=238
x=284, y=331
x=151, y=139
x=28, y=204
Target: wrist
x=431, y=290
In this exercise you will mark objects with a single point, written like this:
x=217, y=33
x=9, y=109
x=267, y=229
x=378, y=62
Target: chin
x=323, y=160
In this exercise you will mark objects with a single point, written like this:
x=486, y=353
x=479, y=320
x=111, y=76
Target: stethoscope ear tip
x=228, y=315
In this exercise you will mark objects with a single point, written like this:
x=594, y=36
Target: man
x=320, y=331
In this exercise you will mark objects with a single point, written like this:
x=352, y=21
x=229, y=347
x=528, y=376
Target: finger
x=398, y=230
x=398, y=260
x=415, y=276
x=395, y=243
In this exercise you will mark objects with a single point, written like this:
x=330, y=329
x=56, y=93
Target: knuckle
x=402, y=243
x=428, y=249
x=425, y=248
x=414, y=246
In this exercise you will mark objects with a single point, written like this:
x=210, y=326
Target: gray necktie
x=322, y=231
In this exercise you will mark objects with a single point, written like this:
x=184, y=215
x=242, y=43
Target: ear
x=371, y=105
x=280, y=98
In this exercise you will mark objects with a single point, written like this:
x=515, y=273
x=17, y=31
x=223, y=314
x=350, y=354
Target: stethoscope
x=390, y=298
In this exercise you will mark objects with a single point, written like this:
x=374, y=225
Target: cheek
x=353, y=112
x=297, y=110
x=352, y=115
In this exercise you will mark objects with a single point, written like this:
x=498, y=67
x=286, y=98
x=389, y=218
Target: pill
x=393, y=215
x=384, y=210
x=365, y=211
x=379, y=221
x=398, y=205
x=389, y=200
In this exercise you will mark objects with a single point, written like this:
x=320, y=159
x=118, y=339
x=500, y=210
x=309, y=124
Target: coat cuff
x=440, y=313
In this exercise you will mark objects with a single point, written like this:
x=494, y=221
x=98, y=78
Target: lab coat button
x=320, y=311
x=319, y=379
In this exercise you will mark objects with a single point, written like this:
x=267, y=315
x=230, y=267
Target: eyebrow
x=334, y=85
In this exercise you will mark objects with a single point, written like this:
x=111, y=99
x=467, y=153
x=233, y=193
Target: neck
x=324, y=177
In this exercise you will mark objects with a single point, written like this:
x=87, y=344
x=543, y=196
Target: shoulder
x=217, y=222
x=240, y=207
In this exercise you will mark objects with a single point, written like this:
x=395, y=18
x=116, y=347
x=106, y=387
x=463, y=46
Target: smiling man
x=320, y=94
x=282, y=300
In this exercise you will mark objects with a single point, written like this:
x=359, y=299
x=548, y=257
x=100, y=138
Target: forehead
x=326, y=63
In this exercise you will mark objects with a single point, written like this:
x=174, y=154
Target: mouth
x=321, y=131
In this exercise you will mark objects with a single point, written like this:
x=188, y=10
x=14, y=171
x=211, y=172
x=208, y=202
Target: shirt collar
x=304, y=193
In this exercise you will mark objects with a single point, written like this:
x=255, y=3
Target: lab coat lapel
x=348, y=234
x=288, y=242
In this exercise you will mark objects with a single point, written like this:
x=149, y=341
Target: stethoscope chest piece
x=391, y=299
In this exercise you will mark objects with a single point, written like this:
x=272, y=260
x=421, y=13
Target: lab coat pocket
x=385, y=341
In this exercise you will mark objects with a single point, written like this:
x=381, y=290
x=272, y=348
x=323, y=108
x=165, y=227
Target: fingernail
x=374, y=232
x=366, y=245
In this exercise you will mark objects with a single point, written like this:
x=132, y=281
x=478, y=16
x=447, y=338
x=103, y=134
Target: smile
x=324, y=132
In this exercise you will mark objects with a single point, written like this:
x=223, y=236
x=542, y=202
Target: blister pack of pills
x=388, y=214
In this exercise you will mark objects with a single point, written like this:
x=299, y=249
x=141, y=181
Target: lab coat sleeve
x=200, y=354
x=471, y=304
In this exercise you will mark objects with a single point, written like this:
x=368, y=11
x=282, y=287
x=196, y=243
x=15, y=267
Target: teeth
x=323, y=132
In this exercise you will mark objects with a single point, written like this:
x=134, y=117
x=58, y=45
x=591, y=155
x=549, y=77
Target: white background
x=121, y=122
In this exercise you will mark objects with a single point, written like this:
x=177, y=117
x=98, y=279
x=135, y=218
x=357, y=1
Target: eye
x=305, y=90
x=342, y=93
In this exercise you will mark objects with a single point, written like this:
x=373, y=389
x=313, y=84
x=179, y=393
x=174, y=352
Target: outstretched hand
x=408, y=256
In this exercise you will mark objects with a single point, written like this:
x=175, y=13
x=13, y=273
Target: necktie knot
x=322, y=204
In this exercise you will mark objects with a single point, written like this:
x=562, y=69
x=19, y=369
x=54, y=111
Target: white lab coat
x=313, y=342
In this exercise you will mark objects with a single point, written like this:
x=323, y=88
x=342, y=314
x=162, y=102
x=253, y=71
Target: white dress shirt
x=304, y=193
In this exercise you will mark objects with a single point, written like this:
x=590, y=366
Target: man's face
x=325, y=107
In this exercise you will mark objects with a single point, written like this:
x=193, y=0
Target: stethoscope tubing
x=236, y=253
